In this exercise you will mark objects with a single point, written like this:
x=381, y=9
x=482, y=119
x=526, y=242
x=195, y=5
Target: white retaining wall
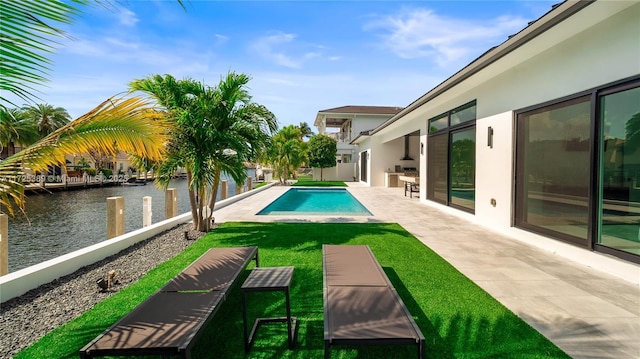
x=19, y=282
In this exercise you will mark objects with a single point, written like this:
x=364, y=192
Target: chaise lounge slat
x=170, y=321
x=163, y=324
x=214, y=270
x=366, y=312
x=352, y=266
x=360, y=303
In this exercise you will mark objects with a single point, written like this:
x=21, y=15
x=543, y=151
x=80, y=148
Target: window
x=552, y=169
x=437, y=124
x=463, y=114
x=619, y=204
x=451, y=161
x=363, y=166
x=463, y=169
x=578, y=169
x=437, y=172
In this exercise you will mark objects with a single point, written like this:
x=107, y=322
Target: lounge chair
x=361, y=306
x=170, y=321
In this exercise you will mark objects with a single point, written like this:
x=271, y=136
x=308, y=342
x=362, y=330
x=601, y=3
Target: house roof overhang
x=335, y=117
x=556, y=15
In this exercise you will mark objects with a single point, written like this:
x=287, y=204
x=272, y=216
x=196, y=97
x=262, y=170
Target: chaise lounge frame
x=361, y=306
x=171, y=320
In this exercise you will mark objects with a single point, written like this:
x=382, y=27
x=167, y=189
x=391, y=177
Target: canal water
x=64, y=221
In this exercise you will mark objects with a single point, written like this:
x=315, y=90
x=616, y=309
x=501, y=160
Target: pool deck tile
x=575, y=298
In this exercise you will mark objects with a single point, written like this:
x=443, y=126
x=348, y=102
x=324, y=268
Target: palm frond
x=128, y=124
x=27, y=34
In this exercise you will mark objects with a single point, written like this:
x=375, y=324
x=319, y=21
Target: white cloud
x=422, y=33
x=269, y=47
x=281, y=92
x=220, y=39
x=124, y=45
x=127, y=17
x=286, y=50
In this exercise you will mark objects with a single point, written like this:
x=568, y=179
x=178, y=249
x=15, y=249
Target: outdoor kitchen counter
x=391, y=179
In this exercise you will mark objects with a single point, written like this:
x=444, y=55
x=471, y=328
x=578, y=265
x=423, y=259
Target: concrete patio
x=589, y=313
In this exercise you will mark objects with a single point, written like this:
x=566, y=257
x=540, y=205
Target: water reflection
x=62, y=222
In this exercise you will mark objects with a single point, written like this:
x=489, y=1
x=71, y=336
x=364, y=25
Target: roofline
x=368, y=107
x=553, y=17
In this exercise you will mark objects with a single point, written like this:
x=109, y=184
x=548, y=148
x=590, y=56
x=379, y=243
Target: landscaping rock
x=27, y=318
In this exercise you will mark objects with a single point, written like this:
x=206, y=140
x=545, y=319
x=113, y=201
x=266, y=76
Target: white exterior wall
x=606, y=52
x=597, y=46
x=589, y=59
x=494, y=167
x=365, y=123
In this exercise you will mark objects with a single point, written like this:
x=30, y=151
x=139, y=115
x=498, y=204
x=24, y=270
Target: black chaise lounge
x=361, y=306
x=170, y=321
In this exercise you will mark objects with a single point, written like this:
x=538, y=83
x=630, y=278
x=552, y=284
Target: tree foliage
x=217, y=130
x=16, y=130
x=30, y=31
x=305, y=130
x=288, y=152
x=322, y=152
x=128, y=124
x=47, y=118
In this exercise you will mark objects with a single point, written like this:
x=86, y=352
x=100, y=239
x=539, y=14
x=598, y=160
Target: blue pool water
x=316, y=201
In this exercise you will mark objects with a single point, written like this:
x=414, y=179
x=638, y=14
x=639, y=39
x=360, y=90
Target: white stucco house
x=344, y=124
x=538, y=138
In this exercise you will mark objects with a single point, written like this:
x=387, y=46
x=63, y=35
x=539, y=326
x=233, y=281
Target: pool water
x=316, y=201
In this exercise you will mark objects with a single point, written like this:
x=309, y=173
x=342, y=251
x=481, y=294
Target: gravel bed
x=25, y=319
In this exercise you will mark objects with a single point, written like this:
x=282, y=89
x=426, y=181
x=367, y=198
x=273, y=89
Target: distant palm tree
x=128, y=124
x=15, y=130
x=216, y=131
x=305, y=130
x=47, y=118
x=288, y=152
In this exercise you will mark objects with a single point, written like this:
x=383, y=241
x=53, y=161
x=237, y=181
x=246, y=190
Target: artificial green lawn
x=457, y=318
x=302, y=183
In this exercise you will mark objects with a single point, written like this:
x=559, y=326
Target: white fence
x=345, y=172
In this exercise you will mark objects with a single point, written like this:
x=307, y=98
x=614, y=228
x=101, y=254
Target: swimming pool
x=316, y=202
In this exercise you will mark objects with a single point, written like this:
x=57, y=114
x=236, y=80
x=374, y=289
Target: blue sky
x=302, y=56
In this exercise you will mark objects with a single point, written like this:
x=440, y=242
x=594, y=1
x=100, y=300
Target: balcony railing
x=340, y=136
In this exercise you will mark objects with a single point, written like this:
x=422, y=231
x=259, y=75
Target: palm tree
x=28, y=33
x=128, y=124
x=288, y=152
x=305, y=130
x=15, y=130
x=217, y=130
x=24, y=35
x=47, y=118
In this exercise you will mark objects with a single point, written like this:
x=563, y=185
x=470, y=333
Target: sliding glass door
x=451, y=158
x=552, y=165
x=578, y=169
x=619, y=207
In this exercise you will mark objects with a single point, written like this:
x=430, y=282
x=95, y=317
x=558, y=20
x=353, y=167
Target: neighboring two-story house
x=344, y=124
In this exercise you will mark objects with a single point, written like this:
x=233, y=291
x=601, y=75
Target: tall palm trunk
x=192, y=202
x=214, y=190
